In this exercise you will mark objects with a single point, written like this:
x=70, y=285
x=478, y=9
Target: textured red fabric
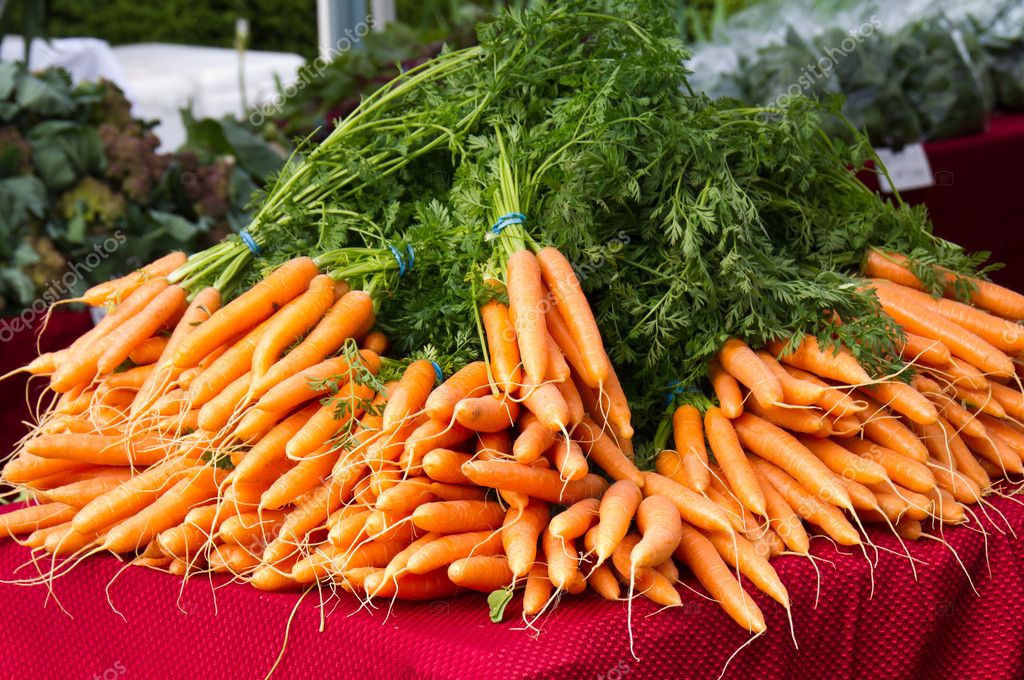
x=937, y=627
x=977, y=199
x=19, y=348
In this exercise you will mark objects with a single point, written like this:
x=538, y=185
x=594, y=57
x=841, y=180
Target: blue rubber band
x=412, y=256
x=507, y=220
x=398, y=258
x=438, y=371
x=249, y=241
x=675, y=388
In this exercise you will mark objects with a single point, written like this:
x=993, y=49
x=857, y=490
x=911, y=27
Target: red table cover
x=936, y=627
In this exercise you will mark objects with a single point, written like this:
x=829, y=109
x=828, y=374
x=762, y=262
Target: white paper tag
x=908, y=167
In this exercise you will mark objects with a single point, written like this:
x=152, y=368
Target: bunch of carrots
x=261, y=439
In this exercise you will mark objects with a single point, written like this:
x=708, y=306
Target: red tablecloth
x=978, y=197
x=16, y=350
x=937, y=627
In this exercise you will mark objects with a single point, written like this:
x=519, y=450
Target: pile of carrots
x=259, y=439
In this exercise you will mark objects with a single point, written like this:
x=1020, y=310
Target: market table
x=937, y=627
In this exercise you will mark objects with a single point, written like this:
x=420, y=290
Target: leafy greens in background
x=76, y=169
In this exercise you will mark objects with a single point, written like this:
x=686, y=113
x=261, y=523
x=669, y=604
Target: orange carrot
x=539, y=483
x=808, y=505
x=525, y=305
x=644, y=580
x=519, y=534
x=575, y=520
x=410, y=394
x=291, y=322
x=904, y=399
x=811, y=357
x=901, y=469
x=133, y=332
x=745, y=366
x=562, y=559
x=921, y=350
x=483, y=574
x=730, y=400
x=546, y=403
x=989, y=296
x=538, y=590
x=560, y=333
x=730, y=456
x=844, y=462
x=488, y=413
x=534, y=439
x=781, y=448
x=449, y=517
x=659, y=525
x=918, y=319
x=447, y=549
x=693, y=507
x=568, y=459
x=468, y=381
x=796, y=391
x=784, y=520
x=602, y=450
x=572, y=304
x=34, y=517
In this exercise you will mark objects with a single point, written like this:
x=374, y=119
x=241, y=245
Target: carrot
x=569, y=460
x=26, y=468
x=744, y=365
x=429, y=435
x=658, y=522
x=270, y=449
x=538, y=590
x=434, y=585
x=833, y=401
x=961, y=373
x=784, y=520
x=525, y=299
x=808, y=505
x=644, y=580
x=479, y=573
x=700, y=555
x=688, y=434
x=78, y=493
x=447, y=549
x=1007, y=336
x=410, y=394
x=197, y=485
x=806, y=420
x=346, y=319
x=534, y=439
x=299, y=388
x=304, y=476
x=574, y=309
x=573, y=402
x=487, y=413
x=904, y=399
x=232, y=559
x=918, y=319
x=742, y=555
x=247, y=310
x=133, y=332
x=539, y=483
x=615, y=513
x=562, y=559
x=451, y=517
x=468, y=381
x=918, y=349
x=693, y=507
x=884, y=430
x=118, y=289
x=809, y=356
x=575, y=520
x=604, y=583
x=520, y=532
x=562, y=336
x=616, y=407
x=783, y=449
x=1010, y=399
x=330, y=420
x=795, y=391
x=844, y=462
x=730, y=400
x=35, y=517
x=445, y=465
x=97, y=449
x=730, y=456
x=996, y=299
x=963, y=488
x=250, y=528
x=558, y=370
x=85, y=353
x=995, y=449
x=978, y=401
x=603, y=451
x=148, y=351
x=548, y=405
x=217, y=412
x=670, y=464
x=375, y=341
x=1015, y=438
x=293, y=321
